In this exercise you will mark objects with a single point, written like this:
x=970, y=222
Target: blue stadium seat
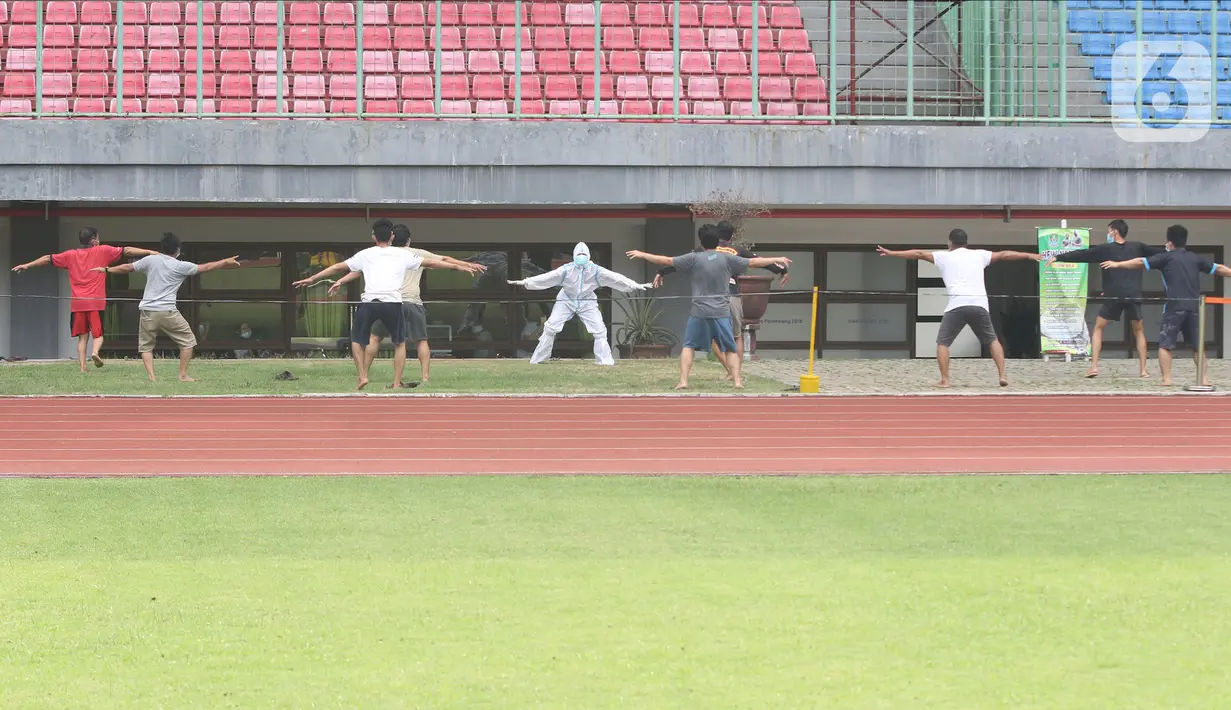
x=1079, y=4
x=1124, y=68
x=1168, y=115
x=1153, y=22
x=1206, y=5
x=1224, y=95
x=1186, y=94
x=1083, y=21
x=1184, y=23
x=1125, y=92
x=1224, y=69
x=1118, y=22
x=1225, y=115
x=1150, y=89
x=1107, y=4
x=1224, y=23
x=1098, y=45
x=1171, y=4
x=1102, y=68
x=1167, y=44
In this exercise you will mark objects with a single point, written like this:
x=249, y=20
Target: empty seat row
x=692, y=14
x=1108, y=68
x=1152, y=22
x=1150, y=4
x=1102, y=45
x=1162, y=92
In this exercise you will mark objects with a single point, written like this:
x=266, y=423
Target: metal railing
x=982, y=62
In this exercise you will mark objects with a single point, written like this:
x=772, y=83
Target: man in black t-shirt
x=1122, y=286
x=1181, y=271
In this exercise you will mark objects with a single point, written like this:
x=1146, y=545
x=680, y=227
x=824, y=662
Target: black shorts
x=415, y=317
x=388, y=314
x=1112, y=310
x=979, y=320
x=1176, y=323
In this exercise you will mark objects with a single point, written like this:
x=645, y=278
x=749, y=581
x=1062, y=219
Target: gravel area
x=876, y=376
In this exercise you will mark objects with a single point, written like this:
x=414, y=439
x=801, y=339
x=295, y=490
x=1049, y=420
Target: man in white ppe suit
x=578, y=281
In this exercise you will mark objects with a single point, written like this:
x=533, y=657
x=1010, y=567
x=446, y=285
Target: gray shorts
x=979, y=320
x=737, y=315
x=414, y=317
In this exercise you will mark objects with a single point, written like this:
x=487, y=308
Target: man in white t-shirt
x=384, y=270
x=962, y=270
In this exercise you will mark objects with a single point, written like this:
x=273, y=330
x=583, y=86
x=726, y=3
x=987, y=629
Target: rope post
x=1200, y=386
x=810, y=383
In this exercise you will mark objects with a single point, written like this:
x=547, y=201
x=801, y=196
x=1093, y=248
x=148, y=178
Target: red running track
x=787, y=435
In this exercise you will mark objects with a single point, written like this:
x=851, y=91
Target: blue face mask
x=1110, y=239
x=581, y=260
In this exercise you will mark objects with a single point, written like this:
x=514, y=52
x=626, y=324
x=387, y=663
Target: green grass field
x=1025, y=592
x=329, y=376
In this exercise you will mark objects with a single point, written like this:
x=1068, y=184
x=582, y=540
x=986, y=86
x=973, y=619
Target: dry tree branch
x=729, y=206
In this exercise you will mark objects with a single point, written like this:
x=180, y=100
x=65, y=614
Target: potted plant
x=640, y=336
x=733, y=207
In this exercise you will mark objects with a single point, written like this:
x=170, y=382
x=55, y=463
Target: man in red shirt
x=89, y=287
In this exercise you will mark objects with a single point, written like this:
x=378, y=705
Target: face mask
x=245, y=334
x=1110, y=239
x=581, y=260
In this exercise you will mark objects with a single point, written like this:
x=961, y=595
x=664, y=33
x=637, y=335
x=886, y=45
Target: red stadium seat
x=665, y=108
x=546, y=14
x=414, y=62
x=167, y=37
x=528, y=65
x=561, y=88
x=207, y=39
x=410, y=38
x=235, y=37
x=18, y=60
x=737, y=88
x=96, y=60
x=690, y=16
x=338, y=37
x=208, y=61
x=743, y=108
x=311, y=86
x=267, y=86
x=57, y=84
x=780, y=108
x=786, y=17
x=716, y=15
x=703, y=87
x=709, y=108
x=236, y=86
x=454, y=87
x=768, y=64
x=619, y=38
x=209, y=83
x=207, y=106
x=24, y=13
x=418, y=106
x=304, y=61
x=794, y=41
x=342, y=86
x=579, y=14
x=161, y=60
x=164, y=86
x=267, y=61
x=379, y=63
x=488, y=87
x=450, y=38
x=605, y=108
x=801, y=64
x=342, y=107
x=236, y=61
x=162, y=106
x=417, y=87
x=243, y=106
x=583, y=62
x=581, y=38
x=555, y=62
x=207, y=12
x=564, y=108
x=765, y=40
x=625, y=62
x=303, y=13
x=236, y=13
x=695, y=63
x=636, y=108
x=376, y=39
x=650, y=15
x=134, y=60
x=89, y=106
x=304, y=38
x=775, y=88
x=453, y=62
x=550, y=38
x=380, y=87
x=99, y=13
x=508, y=38
x=633, y=87
x=615, y=14
x=492, y=108
x=531, y=90
x=59, y=12
x=743, y=16
x=134, y=85
x=272, y=106
x=506, y=14
x=91, y=85
x=656, y=39
x=456, y=107
x=816, y=110
x=308, y=106
x=381, y=110
x=732, y=63
x=726, y=40
x=483, y=62
x=54, y=60
x=477, y=13
x=659, y=63
x=26, y=37
x=266, y=13
x=164, y=13
x=663, y=88
x=478, y=38
x=450, y=14
x=59, y=36
x=375, y=14
x=409, y=13
x=606, y=87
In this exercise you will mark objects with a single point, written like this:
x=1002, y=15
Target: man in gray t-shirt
x=164, y=275
x=709, y=319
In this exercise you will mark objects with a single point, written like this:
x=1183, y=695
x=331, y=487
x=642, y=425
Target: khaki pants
x=169, y=323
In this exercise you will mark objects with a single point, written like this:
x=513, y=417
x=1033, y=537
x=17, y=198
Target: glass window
x=493, y=280
x=240, y=323
x=126, y=282
x=866, y=322
x=786, y=322
x=803, y=270
x=541, y=260
x=321, y=320
x=470, y=325
x=864, y=271
x=120, y=321
x=262, y=271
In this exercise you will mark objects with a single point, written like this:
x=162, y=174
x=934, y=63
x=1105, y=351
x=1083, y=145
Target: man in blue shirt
x=1181, y=271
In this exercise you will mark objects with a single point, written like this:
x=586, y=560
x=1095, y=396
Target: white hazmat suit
x=578, y=281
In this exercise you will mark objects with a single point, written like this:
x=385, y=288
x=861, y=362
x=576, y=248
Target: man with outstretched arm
x=962, y=271
x=384, y=269
x=412, y=304
x=726, y=238
x=1124, y=286
x=89, y=287
x=164, y=275
x=710, y=317
x=1181, y=270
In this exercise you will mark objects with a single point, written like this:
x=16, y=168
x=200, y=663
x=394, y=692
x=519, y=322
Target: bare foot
x=943, y=383
x=363, y=382
x=739, y=385
x=153, y=379
x=1165, y=383
x=186, y=378
x=83, y=370
x=1206, y=384
x=1145, y=375
x=1092, y=373
x=682, y=386
x=1004, y=382
x=98, y=360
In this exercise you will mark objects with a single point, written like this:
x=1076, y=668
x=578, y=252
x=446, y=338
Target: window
x=239, y=324
x=262, y=271
x=492, y=281
x=803, y=270
x=321, y=321
x=864, y=271
x=867, y=322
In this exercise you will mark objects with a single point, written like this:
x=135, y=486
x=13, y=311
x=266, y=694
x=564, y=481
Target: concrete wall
x=601, y=163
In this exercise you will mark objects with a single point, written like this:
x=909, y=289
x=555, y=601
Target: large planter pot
x=755, y=293
x=644, y=352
